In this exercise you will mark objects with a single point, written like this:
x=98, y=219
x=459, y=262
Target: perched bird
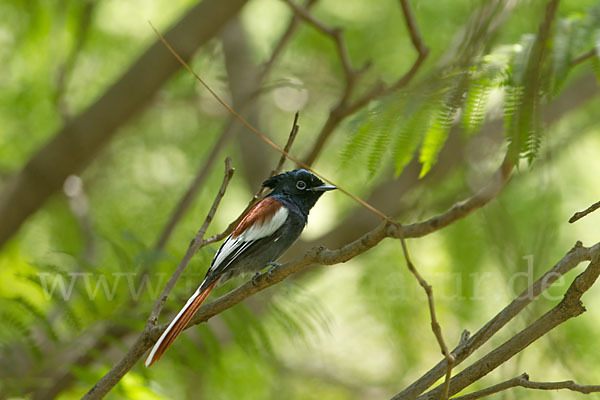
x=261, y=237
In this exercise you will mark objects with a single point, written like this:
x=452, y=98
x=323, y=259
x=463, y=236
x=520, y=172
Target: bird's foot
x=273, y=266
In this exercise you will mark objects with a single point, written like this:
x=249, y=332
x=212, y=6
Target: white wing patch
x=257, y=231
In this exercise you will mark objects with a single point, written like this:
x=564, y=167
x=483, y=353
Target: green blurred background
x=358, y=330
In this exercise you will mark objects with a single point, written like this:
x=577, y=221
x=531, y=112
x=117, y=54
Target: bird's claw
x=273, y=266
x=255, y=279
x=269, y=273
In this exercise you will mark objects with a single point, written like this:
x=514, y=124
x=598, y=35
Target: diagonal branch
x=523, y=381
x=188, y=197
x=435, y=325
x=81, y=139
x=337, y=35
x=197, y=242
x=580, y=214
x=288, y=145
x=569, y=307
x=584, y=57
x=260, y=192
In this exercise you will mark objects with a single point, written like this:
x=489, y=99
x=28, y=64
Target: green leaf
x=561, y=54
x=38, y=314
x=361, y=139
x=440, y=128
x=520, y=59
x=513, y=97
x=378, y=150
x=473, y=113
x=410, y=135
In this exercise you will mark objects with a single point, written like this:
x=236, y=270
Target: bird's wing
x=260, y=224
x=262, y=221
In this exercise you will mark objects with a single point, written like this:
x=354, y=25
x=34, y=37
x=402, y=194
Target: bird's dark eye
x=301, y=185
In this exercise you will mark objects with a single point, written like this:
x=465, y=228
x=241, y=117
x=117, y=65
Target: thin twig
x=186, y=200
x=260, y=192
x=411, y=25
x=435, y=325
x=344, y=107
x=584, y=57
x=262, y=136
x=283, y=40
x=570, y=385
x=336, y=35
x=523, y=381
x=288, y=145
x=573, y=258
x=580, y=214
x=196, y=243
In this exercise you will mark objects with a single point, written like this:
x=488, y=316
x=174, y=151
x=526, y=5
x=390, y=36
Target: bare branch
x=584, y=57
x=196, y=243
x=186, y=200
x=283, y=40
x=523, y=381
x=580, y=214
x=116, y=373
x=288, y=145
x=493, y=389
x=435, y=325
x=343, y=107
x=569, y=307
x=336, y=35
x=413, y=29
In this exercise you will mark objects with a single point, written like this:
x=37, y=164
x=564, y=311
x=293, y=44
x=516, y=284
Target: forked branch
x=344, y=106
x=569, y=307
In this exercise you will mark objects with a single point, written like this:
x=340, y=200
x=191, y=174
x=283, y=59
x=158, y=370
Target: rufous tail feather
x=178, y=324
